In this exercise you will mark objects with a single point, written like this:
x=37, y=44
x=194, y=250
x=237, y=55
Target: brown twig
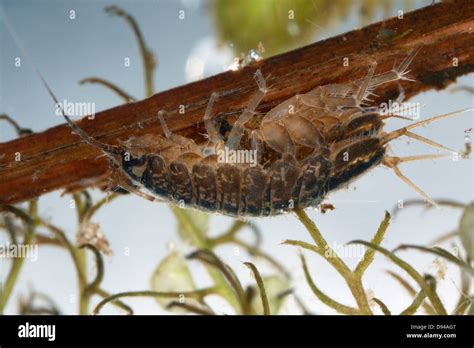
x=56, y=158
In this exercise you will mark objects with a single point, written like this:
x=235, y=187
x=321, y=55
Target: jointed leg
x=166, y=130
x=401, y=94
x=362, y=92
x=136, y=191
x=256, y=144
x=237, y=130
x=211, y=130
x=397, y=73
x=337, y=101
x=414, y=187
x=183, y=142
x=121, y=180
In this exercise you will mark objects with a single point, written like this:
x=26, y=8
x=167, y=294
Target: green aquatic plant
x=173, y=288
x=276, y=26
x=353, y=278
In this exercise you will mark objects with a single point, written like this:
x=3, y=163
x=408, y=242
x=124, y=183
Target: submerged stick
x=57, y=158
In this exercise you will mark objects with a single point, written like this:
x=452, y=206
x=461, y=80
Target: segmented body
x=243, y=190
x=308, y=146
x=305, y=147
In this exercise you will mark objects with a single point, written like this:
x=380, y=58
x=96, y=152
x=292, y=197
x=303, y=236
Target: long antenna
x=106, y=148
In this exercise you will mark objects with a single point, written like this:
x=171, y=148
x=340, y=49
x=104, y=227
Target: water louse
x=306, y=147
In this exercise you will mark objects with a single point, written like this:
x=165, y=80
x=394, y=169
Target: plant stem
x=328, y=301
x=13, y=274
x=198, y=294
x=353, y=281
x=83, y=296
x=31, y=222
x=370, y=253
x=324, y=249
x=81, y=259
x=261, y=287
x=229, y=236
x=200, y=242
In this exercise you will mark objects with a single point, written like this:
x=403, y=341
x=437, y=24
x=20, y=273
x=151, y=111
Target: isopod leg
x=136, y=191
x=237, y=130
x=166, y=130
x=121, y=180
x=212, y=132
x=363, y=89
x=401, y=94
x=397, y=73
x=339, y=100
x=335, y=100
x=337, y=89
x=328, y=103
x=183, y=142
x=256, y=144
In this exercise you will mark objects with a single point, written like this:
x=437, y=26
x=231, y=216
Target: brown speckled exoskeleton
x=306, y=147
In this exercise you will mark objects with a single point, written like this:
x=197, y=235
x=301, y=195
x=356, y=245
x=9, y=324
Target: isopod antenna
x=107, y=149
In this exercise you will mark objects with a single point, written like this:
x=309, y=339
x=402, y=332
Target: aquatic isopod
x=294, y=155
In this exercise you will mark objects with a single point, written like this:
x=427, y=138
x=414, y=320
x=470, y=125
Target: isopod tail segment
x=393, y=162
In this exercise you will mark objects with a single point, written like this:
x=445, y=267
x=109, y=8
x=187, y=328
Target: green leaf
x=281, y=24
x=328, y=301
x=275, y=287
x=261, y=287
x=199, y=219
x=431, y=293
x=439, y=252
x=173, y=275
x=382, y=306
x=416, y=303
x=466, y=230
x=209, y=258
x=426, y=306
